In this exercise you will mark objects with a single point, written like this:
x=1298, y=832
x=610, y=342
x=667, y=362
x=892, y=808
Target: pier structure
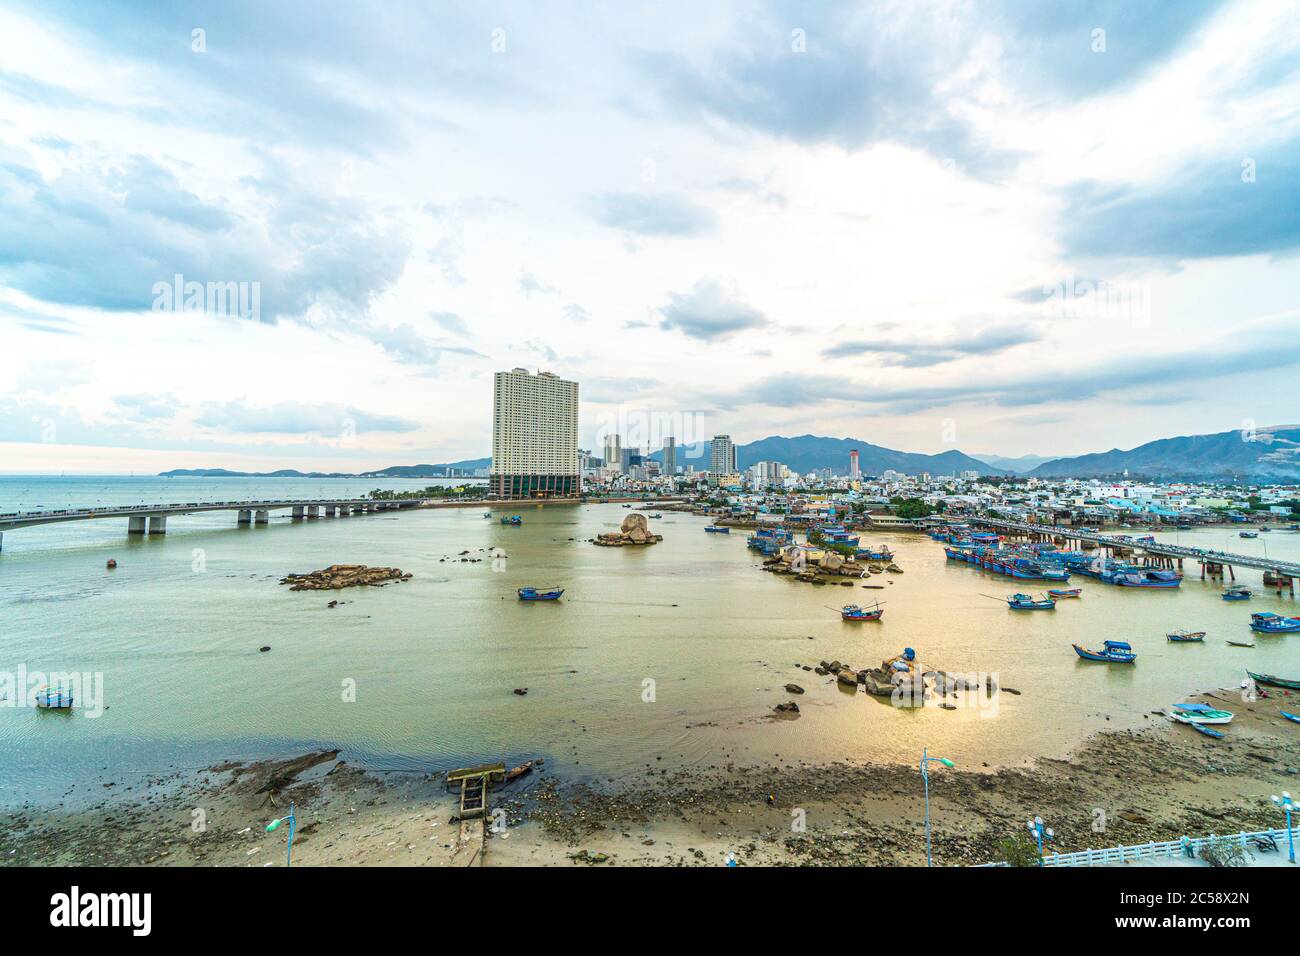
x=152, y=519
x=1281, y=575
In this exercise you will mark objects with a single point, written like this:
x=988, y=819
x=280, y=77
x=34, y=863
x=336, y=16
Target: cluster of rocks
x=343, y=576
x=830, y=568
x=635, y=530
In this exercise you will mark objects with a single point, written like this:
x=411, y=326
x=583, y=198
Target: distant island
x=447, y=470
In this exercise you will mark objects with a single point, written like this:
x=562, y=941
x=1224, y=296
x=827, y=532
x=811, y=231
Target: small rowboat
x=1239, y=644
x=717, y=529
x=851, y=612
x=513, y=519
x=1186, y=637
x=53, y=698
x=1272, y=681
x=1294, y=718
x=540, y=594
x=1269, y=623
x=1059, y=593
x=1199, y=714
x=1208, y=731
x=1023, y=602
x=1112, y=652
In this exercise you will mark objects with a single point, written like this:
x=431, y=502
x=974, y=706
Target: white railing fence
x=1184, y=846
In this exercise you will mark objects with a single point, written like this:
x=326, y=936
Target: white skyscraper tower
x=534, y=436
x=722, y=455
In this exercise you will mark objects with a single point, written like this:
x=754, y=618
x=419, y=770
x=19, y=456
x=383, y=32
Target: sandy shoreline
x=1117, y=787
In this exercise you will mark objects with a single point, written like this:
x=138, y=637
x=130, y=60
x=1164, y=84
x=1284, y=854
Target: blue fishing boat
x=1186, y=637
x=876, y=554
x=1269, y=623
x=1238, y=592
x=851, y=612
x=1294, y=718
x=1147, y=578
x=1060, y=593
x=1247, y=534
x=1273, y=681
x=540, y=594
x=1112, y=652
x=1201, y=728
x=513, y=520
x=717, y=529
x=53, y=698
x=487, y=514
x=1199, y=714
x=1024, y=602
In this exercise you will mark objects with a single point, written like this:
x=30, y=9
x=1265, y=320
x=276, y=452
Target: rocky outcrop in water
x=634, y=531
x=343, y=576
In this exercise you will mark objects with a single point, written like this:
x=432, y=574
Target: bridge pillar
x=331, y=511
x=2, y=540
x=245, y=516
x=297, y=511
x=345, y=511
x=135, y=524
x=313, y=511
x=157, y=524
x=263, y=516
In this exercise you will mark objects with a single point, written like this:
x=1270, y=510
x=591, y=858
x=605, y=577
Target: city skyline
x=993, y=232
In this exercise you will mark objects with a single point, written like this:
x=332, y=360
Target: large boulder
x=831, y=561
x=634, y=522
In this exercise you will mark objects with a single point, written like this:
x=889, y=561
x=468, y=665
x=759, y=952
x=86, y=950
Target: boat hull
x=1102, y=658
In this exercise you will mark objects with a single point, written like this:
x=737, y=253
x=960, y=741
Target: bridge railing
x=1166, y=849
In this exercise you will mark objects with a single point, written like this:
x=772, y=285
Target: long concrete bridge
x=152, y=519
x=1213, y=561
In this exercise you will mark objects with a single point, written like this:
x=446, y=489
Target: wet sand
x=1127, y=787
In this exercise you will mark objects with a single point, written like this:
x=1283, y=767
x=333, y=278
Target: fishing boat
x=1269, y=623
x=1201, y=728
x=513, y=520
x=1240, y=644
x=1147, y=578
x=1247, y=534
x=487, y=514
x=1060, y=593
x=1186, y=637
x=655, y=516
x=1024, y=602
x=1199, y=714
x=540, y=594
x=716, y=529
x=852, y=612
x=1294, y=718
x=1272, y=681
x=53, y=698
x=1237, y=592
x=1112, y=652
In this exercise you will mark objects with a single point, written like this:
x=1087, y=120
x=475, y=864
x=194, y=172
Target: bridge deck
x=25, y=519
x=1288, y=568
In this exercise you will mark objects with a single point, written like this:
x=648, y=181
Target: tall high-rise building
x=670, y=456
x=534, y=436
x=854, y=473
x=722, y=455
x=614, y=452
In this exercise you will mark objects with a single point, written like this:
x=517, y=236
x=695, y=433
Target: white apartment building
x=534, y=436
x=722, y=455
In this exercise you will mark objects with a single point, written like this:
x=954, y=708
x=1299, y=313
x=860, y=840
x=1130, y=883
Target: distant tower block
x=854, y=472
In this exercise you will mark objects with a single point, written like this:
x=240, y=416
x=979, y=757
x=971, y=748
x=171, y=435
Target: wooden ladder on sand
x=474, y=783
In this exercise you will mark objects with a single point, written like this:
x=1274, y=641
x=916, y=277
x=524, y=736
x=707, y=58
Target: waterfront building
x=613, y=453
x=722, y=455
x=534, y=436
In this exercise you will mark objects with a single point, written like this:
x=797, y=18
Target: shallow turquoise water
x=175, y=631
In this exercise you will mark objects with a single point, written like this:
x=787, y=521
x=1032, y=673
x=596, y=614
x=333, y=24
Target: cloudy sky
x=1012, y=227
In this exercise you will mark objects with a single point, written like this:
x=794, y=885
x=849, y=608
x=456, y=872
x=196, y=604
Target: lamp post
x=274, y=825
x=1286, y=803
x=1040, y=832
x=925, y=777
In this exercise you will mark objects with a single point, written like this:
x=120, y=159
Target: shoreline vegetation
x=1128, y=787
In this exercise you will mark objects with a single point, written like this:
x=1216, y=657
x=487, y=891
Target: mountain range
x=1263, y=455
